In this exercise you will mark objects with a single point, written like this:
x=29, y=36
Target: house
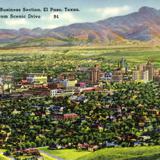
x=88, y=89
x=39, y=110
x=81, y=84
x=24, y=82
x=68, y=83
x=5, y=96
x=110, y=144
x=82, y=69
x=67, y=75
x=55, y=84
x=57, y=146
x=56, y=108
x=80, y=98
x=83, y=146
x=6, y=83
x=28, y=152
x=107, y=76
x=55, y=92
x=68, y=116
x=36, y=78
x=86, y=146
x=93, y=148
x=41, y=91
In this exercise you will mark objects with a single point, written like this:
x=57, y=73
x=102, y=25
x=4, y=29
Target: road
x=52, y=156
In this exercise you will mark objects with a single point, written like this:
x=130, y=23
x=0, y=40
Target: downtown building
x=95, y=74
x=143, y=73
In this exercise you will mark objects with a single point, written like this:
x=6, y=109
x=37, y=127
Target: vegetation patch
x=2, y=157
x=136, y=153
x=67, y=154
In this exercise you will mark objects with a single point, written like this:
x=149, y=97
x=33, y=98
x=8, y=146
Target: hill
x=142, y=26
x=136, y=153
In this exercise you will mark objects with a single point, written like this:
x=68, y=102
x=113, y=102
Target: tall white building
x=145, y=76
x=143, y=72
x=136, y=75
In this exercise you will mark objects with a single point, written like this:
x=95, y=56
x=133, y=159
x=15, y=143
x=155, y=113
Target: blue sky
x=90, y=11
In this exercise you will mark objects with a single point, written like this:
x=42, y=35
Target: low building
x=55, y=85
x=156, y=76
x=56, y=109
x=81, y=84
x=36, y=78
x=6, y=83
x=117, y=76
x=88, y=89
x=67, y=75
x=28, y=152
x=82, y=69
x=69, y=116
x=40, y=91
x=68, y=83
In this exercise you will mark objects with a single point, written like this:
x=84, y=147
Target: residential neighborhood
x=112, y=108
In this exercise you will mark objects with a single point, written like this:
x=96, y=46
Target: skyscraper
x=122, y=64
x=144, y=72
x=136, y=75
x=95, y=73
x=150, y=68
x=145, y=75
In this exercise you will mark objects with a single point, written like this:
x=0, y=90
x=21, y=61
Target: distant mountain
x=143, y=25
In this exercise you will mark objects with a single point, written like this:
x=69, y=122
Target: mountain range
x=143, y=25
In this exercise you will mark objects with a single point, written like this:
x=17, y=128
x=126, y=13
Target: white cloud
x=69, y=17
x=16, y=22
x=111, y=11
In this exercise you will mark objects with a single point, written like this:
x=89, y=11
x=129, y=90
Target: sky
x=90, y=11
